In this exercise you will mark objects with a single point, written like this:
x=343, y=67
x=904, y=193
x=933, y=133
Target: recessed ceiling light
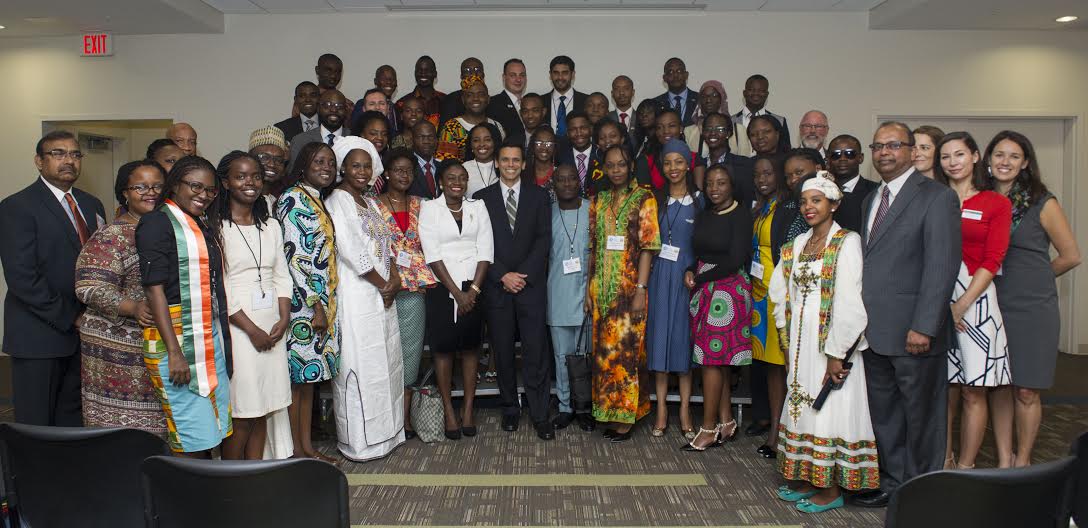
x=1064, y=19
x=1, y=27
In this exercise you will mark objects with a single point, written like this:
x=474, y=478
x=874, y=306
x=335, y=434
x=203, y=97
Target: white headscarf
x=344, y=145
x=823, y=183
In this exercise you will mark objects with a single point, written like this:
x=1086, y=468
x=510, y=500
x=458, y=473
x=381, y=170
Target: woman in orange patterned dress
x=623, y=239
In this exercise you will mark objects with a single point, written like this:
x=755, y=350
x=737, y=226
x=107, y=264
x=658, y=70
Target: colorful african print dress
x=620, y=377
x=453, y=136
x=765, y=344
x=309, y=244
x=818, y=305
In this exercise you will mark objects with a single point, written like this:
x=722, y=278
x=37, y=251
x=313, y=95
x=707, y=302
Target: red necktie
x=623, y=118
x=80, y=224
x=430, y=178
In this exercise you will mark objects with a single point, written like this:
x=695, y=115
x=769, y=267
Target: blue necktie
x=330, y=138
x=561, y=117
x=679, y=105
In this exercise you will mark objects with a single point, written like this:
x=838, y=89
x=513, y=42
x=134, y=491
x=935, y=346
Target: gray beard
x=812, y=145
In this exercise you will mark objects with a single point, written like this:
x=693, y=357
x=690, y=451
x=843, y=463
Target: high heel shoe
x=690, y=446
x=732, y=436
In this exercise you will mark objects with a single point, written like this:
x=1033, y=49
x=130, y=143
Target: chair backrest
x=185, y=493
x=1035, y=496
x=74, y=476
x=1079, y=504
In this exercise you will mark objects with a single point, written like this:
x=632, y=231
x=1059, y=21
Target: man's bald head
x=184, y=136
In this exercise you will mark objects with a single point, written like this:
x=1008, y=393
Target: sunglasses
x=842, y=153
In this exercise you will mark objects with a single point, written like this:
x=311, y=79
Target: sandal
x=690, y=446
x=491, y=376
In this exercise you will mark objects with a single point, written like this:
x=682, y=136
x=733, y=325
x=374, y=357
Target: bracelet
x=475, y=288
x=640, y=286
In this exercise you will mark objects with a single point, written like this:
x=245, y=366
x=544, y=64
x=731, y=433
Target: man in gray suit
x=332, y=110
x=912, y=256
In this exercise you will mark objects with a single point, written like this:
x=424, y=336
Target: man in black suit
x=563, y=99
x=505, y=106
x=42, y=229
x=332, y=112
x=452, y=105
x=424, y=144
x=516, y=287
x=679, y=97
x=844, y=159
x=623, y=94
x=306, y=101
x=579, y=150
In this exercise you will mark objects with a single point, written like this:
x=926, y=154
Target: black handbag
x=579, y=373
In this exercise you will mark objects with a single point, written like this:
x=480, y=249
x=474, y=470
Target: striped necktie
x=511, y=208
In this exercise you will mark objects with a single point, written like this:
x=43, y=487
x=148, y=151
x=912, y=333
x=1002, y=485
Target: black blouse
x=724, y=240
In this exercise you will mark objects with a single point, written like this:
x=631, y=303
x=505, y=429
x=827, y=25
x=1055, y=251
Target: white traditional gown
x=836, y=445
x=368, y=392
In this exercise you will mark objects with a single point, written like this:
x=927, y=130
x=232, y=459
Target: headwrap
x=268, y=135
x=823, y=183
x=717, y=86
x=343, y=146
x=677, y=146
x=471, y=80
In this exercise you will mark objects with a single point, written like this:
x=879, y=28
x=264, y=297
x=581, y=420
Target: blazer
x=291, y=127
x=305, y=138
x=849, y=213
x=38, y=248
x=458, y=249
x=579, y=104
x=502, y=109
x=523, y=249
x=419, y=185
x=565, y=155
x=912, y=260
x=614, y=115
x=689, y=105
x=738, y=118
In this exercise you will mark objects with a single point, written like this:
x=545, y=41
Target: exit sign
x=96, y=45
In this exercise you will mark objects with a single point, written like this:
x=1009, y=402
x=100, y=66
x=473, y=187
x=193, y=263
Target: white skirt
x=979, y=356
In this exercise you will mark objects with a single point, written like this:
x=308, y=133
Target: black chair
x=72, y=476
x=1080, y=497
x=184, y=493
x=1035, y=496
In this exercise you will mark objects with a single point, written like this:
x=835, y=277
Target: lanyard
x=258, y=257
x=764, y=216
x=612, y=205
x=577, y=217
x=669, y=222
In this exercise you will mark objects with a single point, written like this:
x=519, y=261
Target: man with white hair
x=813, y=130
x=184, y=136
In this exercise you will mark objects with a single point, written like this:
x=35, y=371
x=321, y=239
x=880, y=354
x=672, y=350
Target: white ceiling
x=41, y=18
x=318, y=6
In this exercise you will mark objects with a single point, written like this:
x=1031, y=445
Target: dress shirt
x=683, y=101
x=588, y=161
x=64, y=203
x=506, y=191
x=894, y=187
x=569, y=102
x=516, y=99
x=423, y=165
x=630, y=117
x=747, y=115
x=339, y=133
x=848, y=187
x=312, y=119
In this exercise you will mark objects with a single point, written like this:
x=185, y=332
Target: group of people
x=657, y=240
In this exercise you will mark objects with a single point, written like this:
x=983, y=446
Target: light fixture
x=1064, y=19
x=1, y=27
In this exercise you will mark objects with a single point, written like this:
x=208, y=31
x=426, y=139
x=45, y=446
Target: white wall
x=229, y=84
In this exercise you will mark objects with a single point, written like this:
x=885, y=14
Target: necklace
x=480, y=173
x=258, y=256
x=458, y=210
x=727, y=210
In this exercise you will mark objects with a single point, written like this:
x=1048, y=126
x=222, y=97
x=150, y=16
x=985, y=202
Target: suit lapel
x=90, y=216
x=902, y=201
x=57, y=210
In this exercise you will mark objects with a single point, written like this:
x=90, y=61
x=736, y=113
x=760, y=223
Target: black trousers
x=46, y=391
x=908, y=404
x=757, y=384
x=526, y=314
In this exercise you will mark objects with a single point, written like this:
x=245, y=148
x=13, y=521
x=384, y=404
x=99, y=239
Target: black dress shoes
x=563, y=420
x=609, y=433
x=510, y=422
x=545, y=431
x=871, y=499
x=767, y=451
x=453, y=434
x=468, y=430
x=756, y=429
x=586, y=422
x=618, y=437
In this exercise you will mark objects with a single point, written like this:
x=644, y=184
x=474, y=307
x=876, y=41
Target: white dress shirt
x=64, y=203
x=848, y=187
x=312, y=119
x=506, y=191
x=894, y=187
x=747, y=115
x=514, y=98
x=569, y=102
x=339, y=133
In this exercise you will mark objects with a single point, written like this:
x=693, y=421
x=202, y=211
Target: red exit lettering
x=96, y=44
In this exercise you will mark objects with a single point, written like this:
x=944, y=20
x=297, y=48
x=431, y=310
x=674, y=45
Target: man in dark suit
x=623, y=94
x=578, y=150
x=424, y=144
x=516, y=287
x=452, y=105
x=505, y=106
x=756, y=90
x=679, y=97
x=332, y=111
x=844, y=159
x=563, y=99
x=912, y=248
x=306, y=101
x=42, y=229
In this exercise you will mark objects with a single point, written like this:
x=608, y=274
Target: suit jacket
x=565, y=155
x=419, y=185
x=459, y=249
x=614, y=115
x=291, y=127
x=689, y=105
x=849, y=213
x=305, y=138
x=579, y=104
x=738, y=118
x=501, y=108
x=912, y=260
x=525, y=248
x=38, y=248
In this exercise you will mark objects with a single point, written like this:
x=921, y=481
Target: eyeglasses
x=893, y=146
x=545, y=144
x=199, y=188
x=268, y=158
x=60, y=154
x=142, y=188
x=843, y=153
x=401, y=170
x=472, y=69
x=328, y=105
x=810, y=126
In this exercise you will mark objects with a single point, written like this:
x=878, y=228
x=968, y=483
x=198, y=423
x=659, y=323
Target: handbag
x=427, y=413
x=579, y=372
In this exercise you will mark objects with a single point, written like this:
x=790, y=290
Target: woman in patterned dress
x=453, y=136
x=309, y=243
x=116, y=386
x=623, y=237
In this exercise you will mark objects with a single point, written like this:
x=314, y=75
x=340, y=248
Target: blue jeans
x=564, y=342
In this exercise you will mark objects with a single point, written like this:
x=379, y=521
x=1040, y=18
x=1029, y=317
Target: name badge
x=404, y=259
x=615, y=243
x=262, y=300
x=972, y=214
x=572, y=265
x=669, y=252
x=757, y=269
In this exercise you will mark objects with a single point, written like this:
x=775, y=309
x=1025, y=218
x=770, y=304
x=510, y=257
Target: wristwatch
x=475, y=288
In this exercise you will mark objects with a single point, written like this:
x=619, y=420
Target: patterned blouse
x=453, y=136
x=417, y=276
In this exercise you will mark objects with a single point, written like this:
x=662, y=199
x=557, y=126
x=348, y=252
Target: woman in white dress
x=368, y=397
x=259, y=304
x=483, y=140
x=816, y=289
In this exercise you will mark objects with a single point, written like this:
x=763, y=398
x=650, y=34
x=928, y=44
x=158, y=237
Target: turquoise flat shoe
x=807, y=506
x=790, y=495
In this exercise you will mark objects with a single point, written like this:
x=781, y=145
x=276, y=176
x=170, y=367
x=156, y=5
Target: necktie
x=881, y=211
x=511, y=208
x=676, y=103
x=77, y=219
x=582, y=168
x=309, y=125
x=430, y=178
x=623, y=118
x=329, y=138
x=561, y=117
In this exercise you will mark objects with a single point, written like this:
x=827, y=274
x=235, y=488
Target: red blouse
x=985, y=221
x=401, y=217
